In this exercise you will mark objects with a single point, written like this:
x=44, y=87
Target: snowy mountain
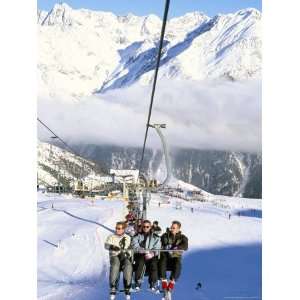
x=56, y=165
x=83, y=51
x=217, y=172
x=59, y=166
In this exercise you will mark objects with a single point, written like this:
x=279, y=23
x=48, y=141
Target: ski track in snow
x=224, y=255
x=71, y=264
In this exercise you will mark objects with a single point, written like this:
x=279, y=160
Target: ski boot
x=113, y=293
x=127, y=294
x=154, y=288
x=171, y=285
x=112, y=296
x=137, y=286
x=164, y=284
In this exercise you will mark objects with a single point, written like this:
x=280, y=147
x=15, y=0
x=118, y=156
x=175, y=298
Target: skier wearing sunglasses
x=145, y=245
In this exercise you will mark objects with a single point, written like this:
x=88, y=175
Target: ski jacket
x=157, y=230
x=151, y=242
x=177, y=242
x=123, y=242
x=130, y=230
x=130, y=217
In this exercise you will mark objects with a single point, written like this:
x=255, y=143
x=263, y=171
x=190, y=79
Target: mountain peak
x=112, y=51
x=61, y=5
x=60, y=14
x=245, y=12
x=195, y=14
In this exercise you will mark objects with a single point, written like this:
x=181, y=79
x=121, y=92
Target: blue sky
x=144, y=7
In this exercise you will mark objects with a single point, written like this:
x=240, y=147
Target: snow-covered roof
x=123, y=173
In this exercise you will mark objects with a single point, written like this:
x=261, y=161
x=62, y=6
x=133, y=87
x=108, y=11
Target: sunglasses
x=146, y=226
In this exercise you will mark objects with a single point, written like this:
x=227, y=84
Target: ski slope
x=224, y=253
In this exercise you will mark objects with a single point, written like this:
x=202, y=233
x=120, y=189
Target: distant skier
x=120, y=254
x=172, y=239
x=145, y=244
x=130, y=217
x=156, y=229
x=139, y=226
x=130, y=229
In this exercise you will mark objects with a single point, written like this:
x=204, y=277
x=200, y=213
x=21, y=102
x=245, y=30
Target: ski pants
x=151, y=264
x=116, y=266
x=174, y=264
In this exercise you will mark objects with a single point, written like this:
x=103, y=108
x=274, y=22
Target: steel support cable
x=54, y=134
x=167, y=5
x=64, y=143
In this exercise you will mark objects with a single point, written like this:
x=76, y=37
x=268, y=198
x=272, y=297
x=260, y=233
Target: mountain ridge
x=82, y=52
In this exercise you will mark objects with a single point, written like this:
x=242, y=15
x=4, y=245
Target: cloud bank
x=202, y=115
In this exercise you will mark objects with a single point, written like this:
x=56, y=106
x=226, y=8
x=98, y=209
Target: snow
x=176, y=183
x=83, y=51
x=122, y=174
x=58, y=160
x=224, y=254
x=70, y=252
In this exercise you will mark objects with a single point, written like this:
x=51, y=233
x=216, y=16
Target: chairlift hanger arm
x=167, y=5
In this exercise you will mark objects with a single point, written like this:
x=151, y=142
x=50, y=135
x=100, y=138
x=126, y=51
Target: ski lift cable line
x=167, y=5
x=67, y=146
x=59, y=138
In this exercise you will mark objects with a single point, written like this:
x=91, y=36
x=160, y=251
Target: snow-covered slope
x=224, y=253
x=83, y=51
x=59, y=165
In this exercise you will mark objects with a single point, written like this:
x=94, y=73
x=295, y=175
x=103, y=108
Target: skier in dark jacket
x=144, y=245
x=173, y=240
x=156, y=229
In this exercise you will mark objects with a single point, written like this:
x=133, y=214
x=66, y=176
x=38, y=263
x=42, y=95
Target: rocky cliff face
x=217, y=172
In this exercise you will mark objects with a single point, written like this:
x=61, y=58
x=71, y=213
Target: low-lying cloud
x=207, y=115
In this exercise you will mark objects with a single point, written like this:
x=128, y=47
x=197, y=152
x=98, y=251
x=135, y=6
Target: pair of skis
x=113, y=297
x=167, y=294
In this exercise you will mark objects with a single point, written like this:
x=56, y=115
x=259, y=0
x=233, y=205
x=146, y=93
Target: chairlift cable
x=56, y=136
x=167, y=5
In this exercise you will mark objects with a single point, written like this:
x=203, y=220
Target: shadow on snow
x=231, y=272
x=252, y=213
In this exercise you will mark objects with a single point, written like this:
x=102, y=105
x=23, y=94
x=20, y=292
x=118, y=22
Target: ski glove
x=149, y=255
x=122, y=256
x=114, y=248
x=168, y=247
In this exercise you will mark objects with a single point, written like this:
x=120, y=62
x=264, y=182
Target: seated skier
x=156, y=229
x=144, y=245
x=120, y=255
x=130, y=228
x=130, y=217
x=173, y=240
x=139, y=226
